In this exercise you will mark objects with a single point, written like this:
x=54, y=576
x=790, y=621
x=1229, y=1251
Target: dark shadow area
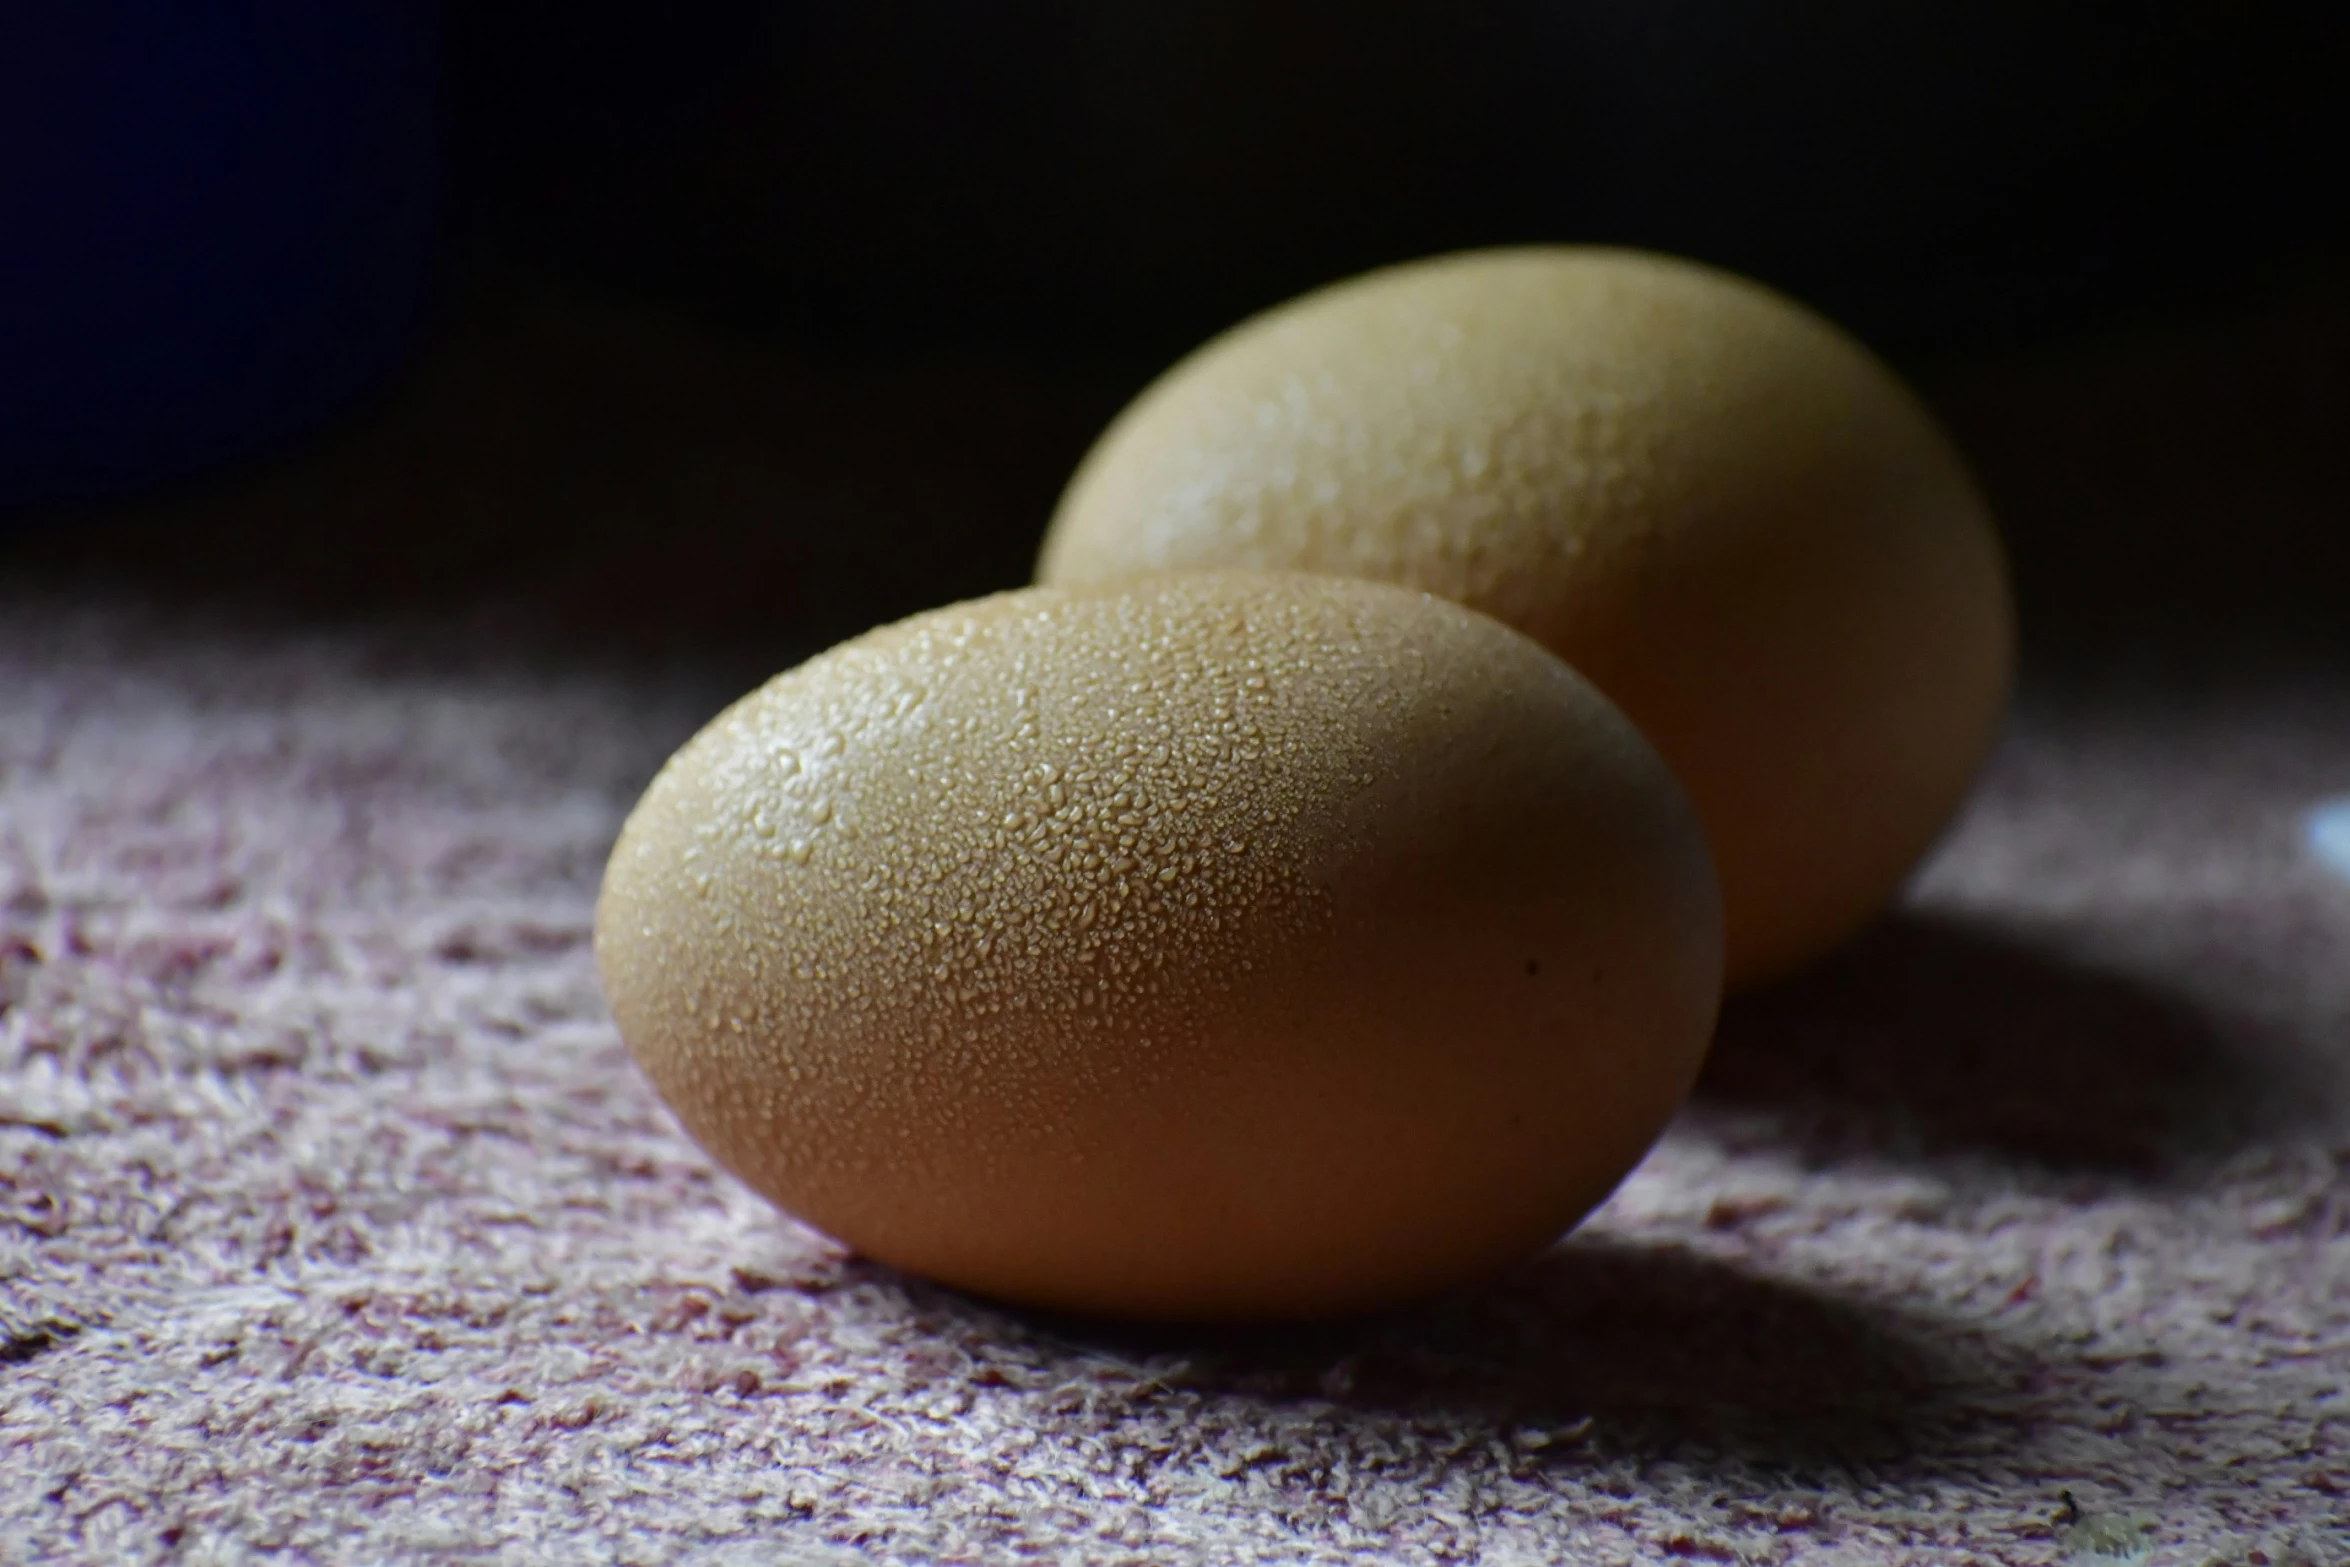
x=1930, y=1037
x=562, y=478
x=1597, y=1347
x=1084, y=179
x=2176, y=491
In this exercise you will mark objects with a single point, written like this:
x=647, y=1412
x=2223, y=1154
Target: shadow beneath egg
x=1598, y=1349
x=1930, y=1037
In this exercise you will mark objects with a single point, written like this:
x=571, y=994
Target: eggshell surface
x=1219, y=945
x=1725, y=512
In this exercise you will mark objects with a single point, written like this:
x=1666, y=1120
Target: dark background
x=770, y=320
x=1115, y=181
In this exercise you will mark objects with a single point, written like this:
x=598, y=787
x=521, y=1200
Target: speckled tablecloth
x=335, y=1225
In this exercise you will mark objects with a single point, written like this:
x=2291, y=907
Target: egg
x=1214, y=946
x=1729, y=515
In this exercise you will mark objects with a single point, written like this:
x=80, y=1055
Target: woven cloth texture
x=337, y=1226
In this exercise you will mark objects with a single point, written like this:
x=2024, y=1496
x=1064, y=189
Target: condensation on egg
x=1228, y=945
x=1720, y=508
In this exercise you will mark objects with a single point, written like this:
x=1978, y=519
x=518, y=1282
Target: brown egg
x=1218, y=946
x=1721, y=509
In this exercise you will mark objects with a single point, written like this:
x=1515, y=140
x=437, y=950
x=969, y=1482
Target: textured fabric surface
x=336, y=1226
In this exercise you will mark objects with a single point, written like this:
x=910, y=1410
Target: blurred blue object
x=215, y=229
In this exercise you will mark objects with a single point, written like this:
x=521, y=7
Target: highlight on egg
x=1723, y=510
x=1206, y=946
